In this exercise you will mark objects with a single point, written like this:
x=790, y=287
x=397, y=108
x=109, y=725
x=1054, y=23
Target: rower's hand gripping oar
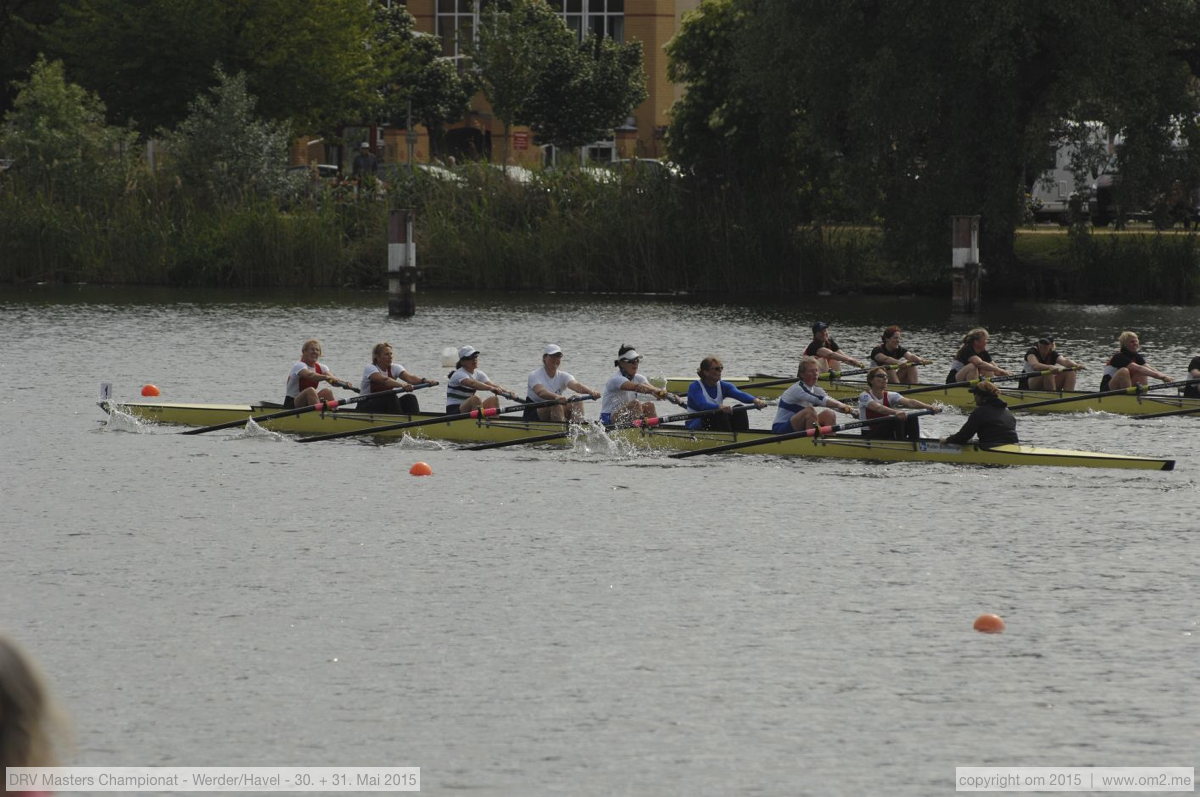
x=637, y=423
x=779, y=438
x=320, y=406
x=1132, y=390
x=483, y=412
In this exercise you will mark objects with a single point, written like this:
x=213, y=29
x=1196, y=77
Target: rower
x=991, y=420
x=383, y=375
x=1043, y=356
x=709, y=393
x=1127, y=366
x=973, y=360
x=549, y=383
x=804, y=405
x=464, y=382
x=890, y=352
x=878, y=402
x=306, y=374
x=1193, y=390
x=621, y=403
x=825, y=349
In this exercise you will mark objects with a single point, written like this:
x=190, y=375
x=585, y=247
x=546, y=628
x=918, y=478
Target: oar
x=826, y=375
x=971, y=382
x=639, y=422
x=479, y=413
x=1168, y=414
x=1132, y=390
x=823, y=430
x=320, y=406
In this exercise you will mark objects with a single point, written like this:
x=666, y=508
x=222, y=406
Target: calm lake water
x=537, y=621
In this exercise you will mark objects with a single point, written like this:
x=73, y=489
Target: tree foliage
x=58, y=139
x=535, y=72
x=21, y=25
x=586, y=90
x=224, y=149
x=148, y=58
x=415, y=72
x=915, y=110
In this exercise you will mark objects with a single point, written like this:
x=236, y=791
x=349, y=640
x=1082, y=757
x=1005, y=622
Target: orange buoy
x=149, y=390
x=421, y=469
x=989, y=624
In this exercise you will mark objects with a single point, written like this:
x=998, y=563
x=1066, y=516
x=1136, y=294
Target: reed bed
x=565, y=230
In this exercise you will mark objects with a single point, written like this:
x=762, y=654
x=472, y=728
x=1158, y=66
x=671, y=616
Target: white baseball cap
x=630, y=356
x=551, y=349
x=465, y=352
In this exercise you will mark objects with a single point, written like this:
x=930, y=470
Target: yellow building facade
x=652, y=22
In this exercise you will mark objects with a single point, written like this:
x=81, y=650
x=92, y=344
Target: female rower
x=620, y=402
x=991, y=420
x=1043, y=356
x=466, y=379
x=1193, y=390
x=382, y=375
x=548, y=383
x=28, y=720
x=890, y=352
x=878, y=402
x=306, y=374
x=825, y=349
x=1127, y=367
x=709, y=393
x=973, y=359
x=804, y=405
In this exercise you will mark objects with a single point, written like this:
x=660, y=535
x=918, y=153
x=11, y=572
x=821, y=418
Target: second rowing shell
x=849, y=390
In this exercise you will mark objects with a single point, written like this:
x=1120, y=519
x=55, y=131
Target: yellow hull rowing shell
x=849, y=390
x=666, y=438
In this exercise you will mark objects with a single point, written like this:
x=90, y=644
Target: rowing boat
x=663, y=438
x=850, y=390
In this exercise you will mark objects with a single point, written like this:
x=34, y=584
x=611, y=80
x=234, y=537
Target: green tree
x=224, y=149
x=584, y=91
x=59, y=142
x=915, y=110
x=21, y=25
x=511, y=51
x=416, y=73
x=310, y=62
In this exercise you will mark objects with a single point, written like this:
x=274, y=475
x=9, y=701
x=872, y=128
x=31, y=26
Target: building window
x=457, y=21
x=602, y=17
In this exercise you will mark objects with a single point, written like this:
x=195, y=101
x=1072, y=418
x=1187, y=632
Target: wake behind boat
x=1145, y=403
x=660, y=438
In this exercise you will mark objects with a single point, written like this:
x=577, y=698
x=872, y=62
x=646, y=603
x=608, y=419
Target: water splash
x=254, y=431
x=119, y=420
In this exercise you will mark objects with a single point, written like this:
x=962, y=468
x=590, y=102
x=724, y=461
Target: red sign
x=520, y=140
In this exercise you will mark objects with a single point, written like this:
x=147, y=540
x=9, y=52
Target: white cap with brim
x=551, y=349
x=466, y=352
x=630, y=356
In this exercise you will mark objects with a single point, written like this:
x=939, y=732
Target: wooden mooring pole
x=966, y=274
x=402, y=265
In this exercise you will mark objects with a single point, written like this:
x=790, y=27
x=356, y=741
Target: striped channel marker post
x=402, y=265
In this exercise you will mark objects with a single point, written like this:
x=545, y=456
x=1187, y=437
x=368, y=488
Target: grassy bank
x=1090, y=265
x=564, y=230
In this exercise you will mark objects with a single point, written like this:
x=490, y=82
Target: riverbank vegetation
x=829, y=167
